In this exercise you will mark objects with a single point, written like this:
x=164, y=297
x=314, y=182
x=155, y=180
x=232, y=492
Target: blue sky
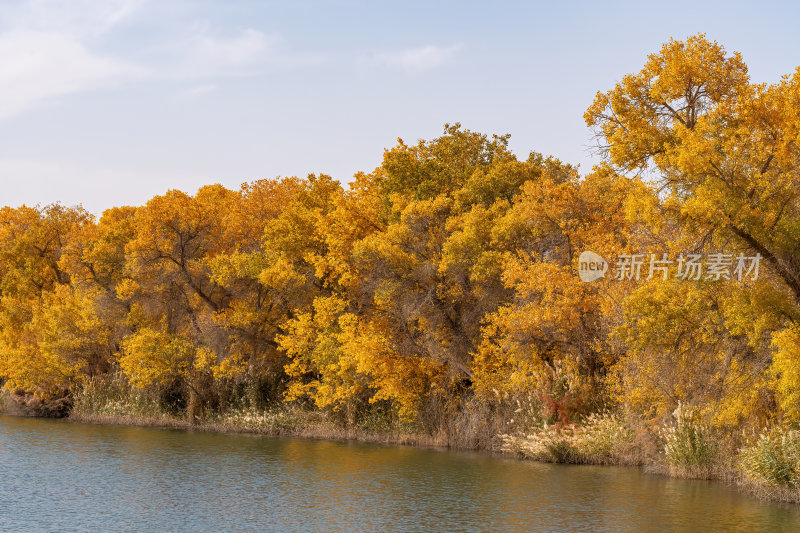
x=109, y=102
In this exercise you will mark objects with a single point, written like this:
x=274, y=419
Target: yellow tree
x=724, y=153
x=255, y=311
x=723, y=148
x=411, y=251
x=701, y=343
x=552, y=338
x=341, y=360
x=171, y=291
x=47, y=340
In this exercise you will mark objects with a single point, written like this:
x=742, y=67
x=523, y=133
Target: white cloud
x=420, y=58
x=46, y=52
x=203, y=55
x=237, y=51
x=83, y=18
x=39, y=66
x=53, y=48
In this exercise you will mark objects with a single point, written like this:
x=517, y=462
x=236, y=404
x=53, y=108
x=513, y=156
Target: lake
x=56, y=475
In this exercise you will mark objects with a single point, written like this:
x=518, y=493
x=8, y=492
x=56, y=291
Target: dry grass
x=601, y=438
x=305, y=424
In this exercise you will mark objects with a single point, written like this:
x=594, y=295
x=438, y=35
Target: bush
x=257, y=420
x=527, y=412
x=774, y=459
x=114, y=396
x=687, y=444
x=549, y=445
x=600, y=439
x=377, y=417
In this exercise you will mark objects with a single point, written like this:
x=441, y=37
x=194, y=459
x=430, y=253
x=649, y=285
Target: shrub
x=521, y=412
x=774, y=459
x=687, y=444
x=599, y=439
x=378, y=417
x=549, y=445
x=114, y=396
x=258, y=420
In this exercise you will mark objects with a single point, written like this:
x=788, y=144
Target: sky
x=111, y=102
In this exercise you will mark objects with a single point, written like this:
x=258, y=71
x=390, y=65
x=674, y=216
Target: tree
x=722, y=148
x=171, y=293
x=552, y=337
x=47, y=341
x=724, y=155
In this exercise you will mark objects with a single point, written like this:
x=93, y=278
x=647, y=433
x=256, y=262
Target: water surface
x=63, y=476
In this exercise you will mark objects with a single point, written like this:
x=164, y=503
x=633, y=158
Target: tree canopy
x=449, y=273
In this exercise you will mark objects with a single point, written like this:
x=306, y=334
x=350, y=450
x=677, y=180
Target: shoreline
x=330, y=432
x=321, y=431
x=312, y=425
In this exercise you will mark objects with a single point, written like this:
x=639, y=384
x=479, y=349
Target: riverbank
x=297, y=424
x=563, y=447
x=109, y=477
x=766, y=469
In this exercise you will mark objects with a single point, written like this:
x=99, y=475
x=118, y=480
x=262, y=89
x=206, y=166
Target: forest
x=439, y=293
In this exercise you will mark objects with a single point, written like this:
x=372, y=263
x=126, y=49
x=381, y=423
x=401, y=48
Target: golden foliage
x=448, y=272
